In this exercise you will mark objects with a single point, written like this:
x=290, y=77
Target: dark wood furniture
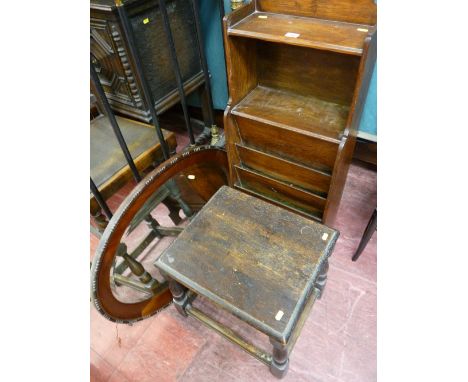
x=368, y=232
x=260, y=262
x=115, y=65
x=298, y=75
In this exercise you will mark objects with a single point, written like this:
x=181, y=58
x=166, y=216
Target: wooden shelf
x=329, y=35
x=277, y=187
x=304, y=177
x=298, y=77
x=307, y=115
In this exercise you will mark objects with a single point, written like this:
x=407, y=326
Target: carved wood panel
x=112, y=65
x=116, y=69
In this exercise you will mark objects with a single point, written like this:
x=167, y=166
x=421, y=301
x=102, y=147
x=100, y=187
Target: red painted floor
x=338, y=342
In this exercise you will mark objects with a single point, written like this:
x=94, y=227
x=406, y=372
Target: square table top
x=254, y=259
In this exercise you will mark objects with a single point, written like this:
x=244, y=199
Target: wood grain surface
x=310, y=114
x=279, y=193
x=351, y=11
x=291, y=144
x=284, y=170
x=252, y=258
x=330, y=35
x=297, y=98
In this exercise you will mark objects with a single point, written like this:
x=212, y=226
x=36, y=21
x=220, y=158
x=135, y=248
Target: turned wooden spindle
x=137, y=268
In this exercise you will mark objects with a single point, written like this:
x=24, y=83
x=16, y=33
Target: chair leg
x=176, y=194
x=371, y=227
x=174, y=209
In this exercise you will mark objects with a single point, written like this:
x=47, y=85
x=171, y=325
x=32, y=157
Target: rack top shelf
x=308, y=32
x=306, y=115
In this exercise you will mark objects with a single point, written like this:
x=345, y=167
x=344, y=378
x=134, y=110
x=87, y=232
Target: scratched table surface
x=252, y=258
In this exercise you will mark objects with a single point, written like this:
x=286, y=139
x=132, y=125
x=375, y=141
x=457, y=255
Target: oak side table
x=258, y=261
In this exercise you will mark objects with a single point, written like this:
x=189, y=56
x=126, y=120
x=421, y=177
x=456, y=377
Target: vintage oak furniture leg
x=179, y=294
x=322, y=279
x=371, y=227
x=176, y=194
x=173, y=208
x=280, y=362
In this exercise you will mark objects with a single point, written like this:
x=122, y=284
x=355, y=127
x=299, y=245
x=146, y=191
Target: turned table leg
x=173, y=208
x=322, y=278
x=280, y=362
x=179, y=295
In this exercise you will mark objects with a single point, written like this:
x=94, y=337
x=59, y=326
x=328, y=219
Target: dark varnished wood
x=351, y=11
x=298, y=99
x=287, y=196
x=196, y=193
x=280, y=190
x=241, y=58
x=280, y=362
x=285, y=170
x=345, y=152
x=233, y=138
x=251, y=258
x=289, y=143
x=116, y=66
x=288, y=204
x=244, y=61
x=313, y=33
x=101, y=290
x=320, y=74
x=309, y=115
